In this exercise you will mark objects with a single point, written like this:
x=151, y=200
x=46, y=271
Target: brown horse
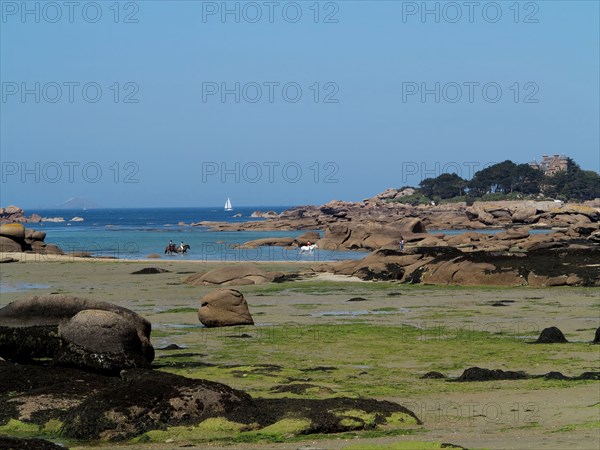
x=170, y=249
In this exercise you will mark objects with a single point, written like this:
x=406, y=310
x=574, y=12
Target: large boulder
x=101, y=341
x=224, y=307
x=585, y=228
x=335, y=236
x=40, y=316
x=46, y=249
x=13, y=230
x=525, y=214
x=10, y=245
x=14, y=237
x=34, y=235
x=486, y=218
x=234, y=275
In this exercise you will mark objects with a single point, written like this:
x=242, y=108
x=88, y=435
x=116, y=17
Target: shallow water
x=137, y=233
x=363, y=312
x=6, y=287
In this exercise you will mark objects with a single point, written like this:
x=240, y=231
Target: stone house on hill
x=550, y=164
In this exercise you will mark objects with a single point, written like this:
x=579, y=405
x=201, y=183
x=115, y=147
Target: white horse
x=308, y=249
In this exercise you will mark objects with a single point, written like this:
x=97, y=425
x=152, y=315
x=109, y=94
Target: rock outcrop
x=387, y=209
x=234, y=275
x=14, y=237
x=114, y=409
x=14, y=214
x=33, y=329
x=493, y=266
x=224, y=307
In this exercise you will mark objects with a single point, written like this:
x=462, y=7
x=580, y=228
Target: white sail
x=228, y=206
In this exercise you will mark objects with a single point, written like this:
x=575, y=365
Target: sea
x=136, y=233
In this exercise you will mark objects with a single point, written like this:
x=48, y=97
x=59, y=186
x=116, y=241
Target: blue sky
x=140, y=119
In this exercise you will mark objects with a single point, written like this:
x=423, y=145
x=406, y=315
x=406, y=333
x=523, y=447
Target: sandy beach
x=378, y=345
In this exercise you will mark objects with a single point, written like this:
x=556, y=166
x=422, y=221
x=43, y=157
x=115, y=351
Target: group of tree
x=508, y=178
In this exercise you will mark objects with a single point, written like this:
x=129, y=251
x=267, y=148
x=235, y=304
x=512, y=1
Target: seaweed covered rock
x=100, y=341
x=150, y=400
x=479, y=374
x=224, y=307
x=551, y=335
x=13, y=443
x=29, y=328
x=141, y=401
x=149, y=271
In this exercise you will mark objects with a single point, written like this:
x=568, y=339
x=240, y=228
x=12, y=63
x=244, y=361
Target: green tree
x=526, y=179
x=572, y=184
x=500, y=177
x=447, y=185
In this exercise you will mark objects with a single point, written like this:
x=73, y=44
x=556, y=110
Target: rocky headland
x=14, y=237
x=534, y=243
x=387, y=209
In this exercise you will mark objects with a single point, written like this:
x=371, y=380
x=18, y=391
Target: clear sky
x=183, y=103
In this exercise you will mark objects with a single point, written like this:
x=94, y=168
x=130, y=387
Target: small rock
x=8, y=260
x=556, y=376
x=479, y=374
x=551, y=335
x=172, y=347
x=433, y=375
x=149, y=271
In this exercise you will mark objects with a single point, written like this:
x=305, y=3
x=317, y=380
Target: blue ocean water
x=135, y=233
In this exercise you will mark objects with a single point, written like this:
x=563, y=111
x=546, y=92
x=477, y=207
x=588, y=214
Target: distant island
x=78, y=203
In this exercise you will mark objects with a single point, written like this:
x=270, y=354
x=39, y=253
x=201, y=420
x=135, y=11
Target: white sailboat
x=228, y=206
